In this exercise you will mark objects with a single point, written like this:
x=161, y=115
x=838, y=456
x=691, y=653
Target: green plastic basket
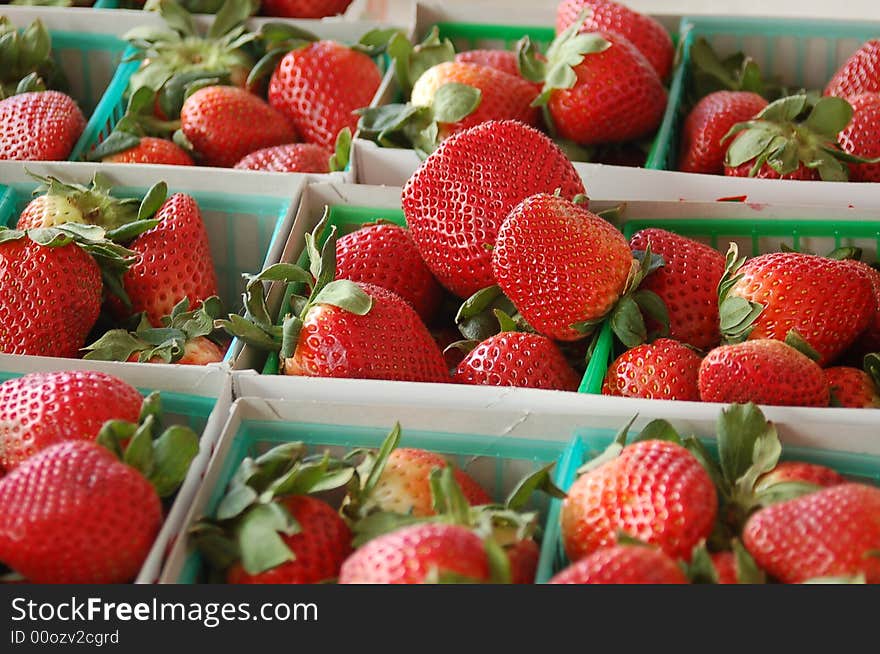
x=477, y=36
x=242, y=230
x=801, y=53
x=496, y=463
x=589, y=443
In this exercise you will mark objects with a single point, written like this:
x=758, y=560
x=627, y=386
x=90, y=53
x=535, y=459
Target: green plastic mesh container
x=800, y=53
x=478, y=36
x=590, y=443
x=497, y=464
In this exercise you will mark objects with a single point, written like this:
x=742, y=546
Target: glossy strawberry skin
x=319, y=88
x=584, y=264
x=39, y=126
x=225, y=123
x=288, y=158
x=457, y=200
x=50, y=298
x=687, y=283
x=799, y=471
x=321, y=546
x=645, y=33
x=623, y=564
x=517, y=359
x=859, y=74
x=174, y=261
x=390, y=342
x=851, y=388
x=662, y=370
x=412, y=554
x=862, y=136
x=822, y=534
x=656, y=491
x=829, y=303
x=42, y=409
x=386, y=255
x=617, y=97
x=152, y=150
x=303, y=8
x=702, y=144
x=869, y=340
x=73, y=513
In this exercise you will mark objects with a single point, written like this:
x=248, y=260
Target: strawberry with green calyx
x=185, y=337
x=26, y=53
x=39, y=125
x=854, y=388
x=734, y=566
x=664, y=369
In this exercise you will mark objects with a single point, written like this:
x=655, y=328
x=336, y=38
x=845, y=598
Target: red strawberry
x=418, y=554
x=851, y=387
x=320, y=546
x=862, y=136
x=320, y=86
x=152, y=150
x=517, y=359
x=663, y=370
x=623, y=564
x=225, y=123
x=860, y=74
x=763, y=371
x=560, y=264
x=303, y=8
x=645, y=33
x=386, y=255
x=174, y=261
x=73, y=513
x=798, y=471
x=523, y=556
x=503, y=60
x=656, y=491
x=39, y=126
x=702, y=141
x=687, y=283
x=41, y=409
x=833, y=532
x=802, y=173
x=289, y=158
x=869, y=340
x=457, y=200
x=725, y=567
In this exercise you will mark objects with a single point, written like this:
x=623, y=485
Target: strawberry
x=39, y=126
x=174, y=261
x=457, y=200
x=288, y=158
x=702, y=141
x=859, y=74
x=517, y=359
x=503, y=60
x=829, y=533
x=862, y=137
x=766, y=171
x=523, y=556
x=41, y=409
x=386, y=255
x=623, y=564
x=687, y=283
x=225, y=123
x=27, y=54
x=725, y=567
x=61, y=203
x=663, y=370
x=303, y=8
x=869, y=340
x=152, y=150
x=656, y=491
x=645, y=33
x=851, y=387
x=764, y=371
x=797, y=471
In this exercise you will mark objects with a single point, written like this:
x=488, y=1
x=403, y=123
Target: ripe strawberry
x=41, y=409
x=725, y=567
x=584, y=264
x=319, y=547
x=852, y=388
x=656, y=491
x=663, y=370
x=320, y=86
x=623, y=564
x=833, y=532
x=702, y=141
x=523, y=556
x=303, y=8
x=386, y=255
x=174, y=261
x=859, y=74
x=862, y=137
x=73, y=513
x=289, y=158
x=225, y=123
x=797, y=471
x=517, y=359
x=457, y=200
x=687, y=283
x=645, y=33
x=419, y=554
x=764, y=371
x=503, y=60
x=765, y=171
x=152, y=150
x=39, y=126
x=869, y=340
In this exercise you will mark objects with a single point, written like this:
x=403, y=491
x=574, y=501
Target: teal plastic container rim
x=323, y=435
x=7, y=204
